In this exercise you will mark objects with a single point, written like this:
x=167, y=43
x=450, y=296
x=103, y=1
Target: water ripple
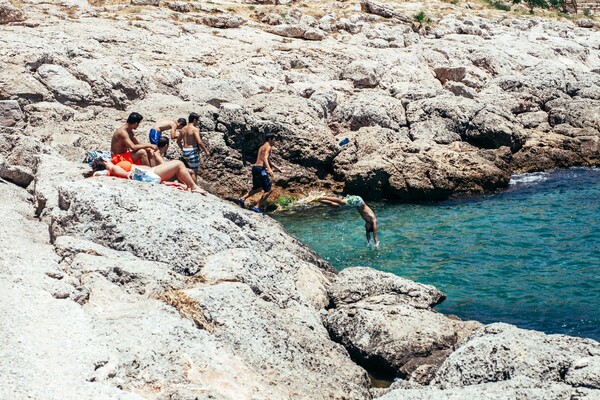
x=529, y=256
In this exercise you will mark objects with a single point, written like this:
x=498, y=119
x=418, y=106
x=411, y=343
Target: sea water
x=528, y=256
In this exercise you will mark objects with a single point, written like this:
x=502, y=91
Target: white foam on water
x=534, y=177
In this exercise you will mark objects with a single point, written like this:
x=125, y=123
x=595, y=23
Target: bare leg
x=263, y=198
x=176, y=168
x=141, y=156
x=250, y=193
x=331, y=201
x=117, y=171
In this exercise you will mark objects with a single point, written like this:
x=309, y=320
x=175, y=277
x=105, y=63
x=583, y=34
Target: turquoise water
x=529, y=256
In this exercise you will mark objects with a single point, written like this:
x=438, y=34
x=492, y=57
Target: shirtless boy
x=125, y=147
x=166, y=125
x=189, y=141
x=261, y=174
x=363, y=209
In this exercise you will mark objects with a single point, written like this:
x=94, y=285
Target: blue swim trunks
x=260, y=178
x=154, y=135
x=192, y=157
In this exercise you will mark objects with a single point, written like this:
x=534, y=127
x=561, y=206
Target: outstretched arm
x=133, y=145
x=201, y=144
x=275, y=167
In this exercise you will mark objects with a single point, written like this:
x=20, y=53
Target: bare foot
x=198, y=189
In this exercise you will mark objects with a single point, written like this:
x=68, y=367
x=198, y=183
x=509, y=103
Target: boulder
x=10, y=113
x=21, y=176
x=50, y=172
x=222, y=21
x=288, y=30
x=209, y=90
x=179, y=6
x=370, y=108
x=65, y=86
x=363, y=73
x=489, y=354
x=445, y=74
x=155, y=3
x=371, y=7
x=274, y=283
x=388, y=326
x=9, y=13
x=514, y=389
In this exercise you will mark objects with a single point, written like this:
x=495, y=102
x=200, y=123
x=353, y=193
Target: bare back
x=165, y=125
x=188, y=136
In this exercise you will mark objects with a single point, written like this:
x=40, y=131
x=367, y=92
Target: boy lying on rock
x=158, y=174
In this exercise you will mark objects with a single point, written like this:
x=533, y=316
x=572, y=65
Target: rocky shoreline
x=115, y=289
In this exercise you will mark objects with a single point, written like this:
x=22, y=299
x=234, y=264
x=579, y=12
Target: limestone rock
x=179, y=6
x=364, y=74
x=223, y=21
x=371, y=108
x=9, y=13
x=16, y=174
x=212, y=91
x=489, y=355
x=10, y=113
x=445, y=74
x=52, y=171
x=369, y=6
x=154, y=3
x=387, y=324
x=265, y=278
x=514, y=389
x=64, y=85
x=356, y=284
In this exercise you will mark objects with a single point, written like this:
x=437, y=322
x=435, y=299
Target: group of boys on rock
x=127, y=152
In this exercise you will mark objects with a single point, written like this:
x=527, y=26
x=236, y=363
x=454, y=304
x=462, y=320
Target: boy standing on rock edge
x=125, y=147
x=261, y=174
x=189, y=142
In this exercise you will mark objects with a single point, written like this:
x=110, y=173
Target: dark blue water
x=529, y=256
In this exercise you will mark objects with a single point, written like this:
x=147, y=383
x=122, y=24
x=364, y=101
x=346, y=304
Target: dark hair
x=181, y=122
x=97, y=165
x=134, y=118
x=162, y=142
x=270, y=136
x=193, y=117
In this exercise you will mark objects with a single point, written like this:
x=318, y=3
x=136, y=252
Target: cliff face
x=114, y=289
x=455, y=107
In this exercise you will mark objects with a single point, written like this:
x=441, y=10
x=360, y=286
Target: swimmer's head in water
x=369, y=227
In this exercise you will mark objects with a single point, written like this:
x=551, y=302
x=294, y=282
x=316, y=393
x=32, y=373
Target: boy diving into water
x=363, y=209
